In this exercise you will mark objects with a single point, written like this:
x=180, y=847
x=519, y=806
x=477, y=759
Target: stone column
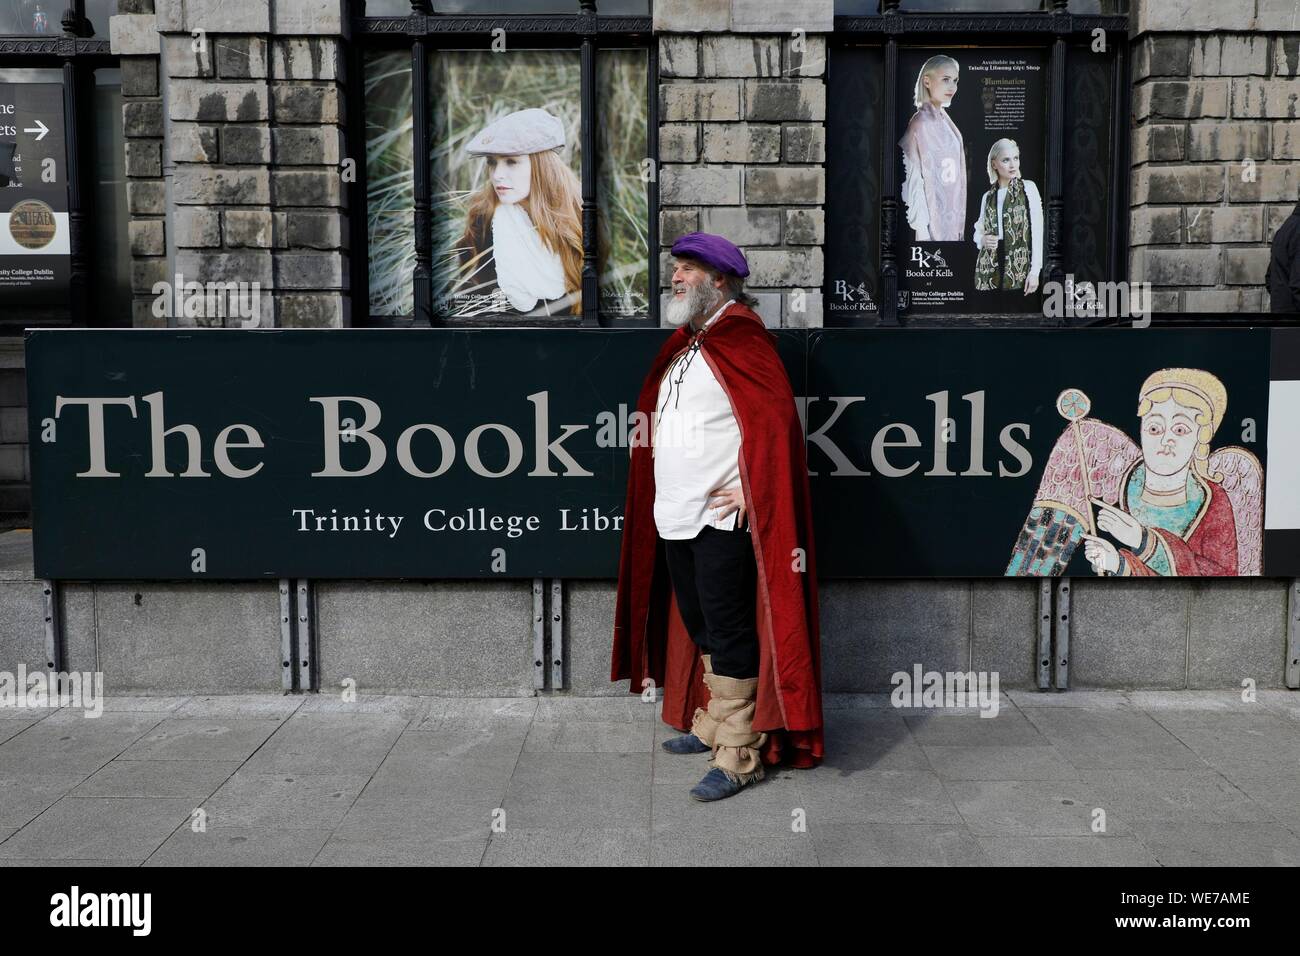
x=1215, y=144
x=133, y=36
x=742, y=140
x=254, y=131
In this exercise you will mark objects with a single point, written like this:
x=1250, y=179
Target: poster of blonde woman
x=963, y=102
x=1009, y=226
x=934, y=156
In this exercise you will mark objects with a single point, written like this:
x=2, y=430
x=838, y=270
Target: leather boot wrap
x=736, y=745
x=702, y=725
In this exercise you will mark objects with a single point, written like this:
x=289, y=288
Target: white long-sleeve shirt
x=1035, y=223
x=696, y=447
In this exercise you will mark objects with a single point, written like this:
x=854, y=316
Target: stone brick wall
x=135, y=39
x=1216, y=140
x=250, y=184
x=742, y=140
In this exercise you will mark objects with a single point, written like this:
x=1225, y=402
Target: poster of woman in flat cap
x=526, y=102
x=507, y=184
x=521, y=250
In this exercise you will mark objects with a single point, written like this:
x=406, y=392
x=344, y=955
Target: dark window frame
x=425, y=33
x=1052, y=30
x=78, y=55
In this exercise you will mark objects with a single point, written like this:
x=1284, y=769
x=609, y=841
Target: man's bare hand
x=727, y=500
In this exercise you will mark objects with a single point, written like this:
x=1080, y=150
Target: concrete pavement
x=1084, y=777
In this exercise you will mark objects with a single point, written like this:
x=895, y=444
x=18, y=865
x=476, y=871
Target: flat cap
x=718, y=252
x=524, y=131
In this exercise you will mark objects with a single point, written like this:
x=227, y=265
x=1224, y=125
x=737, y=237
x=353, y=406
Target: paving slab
x=200, y=738
x=144, y=705
x=1214, y=844
x=1193, y=778
x=424, y=764
x=1202, y=796
x=284, y=801
x=330, y=743
x=14, y=725
x=877, y=796
x=423, y=832
x=579, y=791
x=241, y=705
x=24, y=797
x=589, y=736
x=1112, y=739
x=1010, y=762
x=99, y=828
x=1243, y=747
x=1032, y=808
x=193, y=779
x=240, y=846
x=1009, y=728
x=1065, y=851
x=608, y=847
x=67, y=742
x=876, y=844
x=728, y=848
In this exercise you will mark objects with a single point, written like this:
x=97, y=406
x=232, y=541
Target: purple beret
x=716, y=251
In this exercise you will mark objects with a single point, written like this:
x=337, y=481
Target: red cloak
x=650, y=640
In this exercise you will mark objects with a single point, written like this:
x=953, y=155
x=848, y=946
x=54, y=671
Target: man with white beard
x=719, y=506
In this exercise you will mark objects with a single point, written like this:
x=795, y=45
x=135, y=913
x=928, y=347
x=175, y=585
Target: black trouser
x=714, y=578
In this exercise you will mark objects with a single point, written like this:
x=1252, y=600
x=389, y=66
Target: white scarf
x=526, y=270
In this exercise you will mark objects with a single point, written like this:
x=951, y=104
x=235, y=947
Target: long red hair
x=553, y=203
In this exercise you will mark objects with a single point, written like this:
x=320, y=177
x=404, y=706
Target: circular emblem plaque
x=32, y=224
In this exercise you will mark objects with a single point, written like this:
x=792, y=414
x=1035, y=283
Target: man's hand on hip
x=727, y=500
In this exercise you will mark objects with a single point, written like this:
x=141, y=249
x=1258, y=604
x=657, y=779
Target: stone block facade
x=1216, y=145
x=236, y=163
x=742, y=141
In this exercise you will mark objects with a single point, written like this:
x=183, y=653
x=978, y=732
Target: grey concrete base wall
x=588, y=638
x=1178, y=634
x=151, y=638
x=1161, y=634
x=22, y=625
x=476, y=638
x=440, y=637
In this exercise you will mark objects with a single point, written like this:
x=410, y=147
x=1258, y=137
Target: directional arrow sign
x=40, y=131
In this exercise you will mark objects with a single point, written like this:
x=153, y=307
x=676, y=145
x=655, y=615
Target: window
x=529, y=148
x=63, y=228
x=965, y=178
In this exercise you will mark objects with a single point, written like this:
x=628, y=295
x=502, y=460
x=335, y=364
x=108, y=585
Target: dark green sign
x=227, y=454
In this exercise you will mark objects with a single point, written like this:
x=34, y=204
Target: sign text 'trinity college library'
x=284, y=351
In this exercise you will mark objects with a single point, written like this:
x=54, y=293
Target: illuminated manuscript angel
x=1168, y=507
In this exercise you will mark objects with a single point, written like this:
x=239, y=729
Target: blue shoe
x=686, y=744
x=716, y=785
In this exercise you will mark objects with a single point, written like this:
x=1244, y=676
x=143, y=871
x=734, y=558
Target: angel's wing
x=1243, y=480
x=1061, y=512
